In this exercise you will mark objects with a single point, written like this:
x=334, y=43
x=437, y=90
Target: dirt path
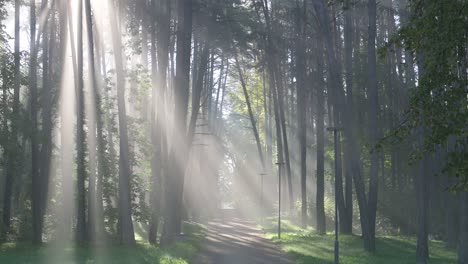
x=238, y=242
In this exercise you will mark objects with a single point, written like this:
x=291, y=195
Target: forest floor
x=309, y=247
x=233, y=242
x=238, y=242
x=142, y=253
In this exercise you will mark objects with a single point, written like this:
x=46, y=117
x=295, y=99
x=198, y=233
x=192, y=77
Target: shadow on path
x=238, y=242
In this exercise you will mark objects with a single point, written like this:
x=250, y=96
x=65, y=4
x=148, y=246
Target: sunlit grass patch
x=309, y=247
x=142, y=253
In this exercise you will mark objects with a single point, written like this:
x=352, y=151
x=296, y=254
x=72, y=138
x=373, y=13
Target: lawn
x=308, y=247
x=141, y=253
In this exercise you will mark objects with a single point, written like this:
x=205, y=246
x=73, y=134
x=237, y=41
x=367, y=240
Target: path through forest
x=235, y=242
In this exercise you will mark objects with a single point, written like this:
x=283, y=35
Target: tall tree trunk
x=338, y=115
x=6, y=147
x=462, y=252
x=422, y=194
x=80, y=136
x=201, y=79
x=372, y=92
x=281, y=99
x=320, y=196
x=335, y=102
x=47, y=125
x=37, y=223
x=352, y=155
x=155, y=138
x=66, y=131
x=301, y=104
x=268, y=124
x=159, y=70
x=369, y=244
x=184, y=50
x=95, y=211
x=251, y=115
x=274, y=72
x=12, y=155
x=127, y=236
x=218, y=92
x=103, y=170
x=451, y=211
x=175, y=183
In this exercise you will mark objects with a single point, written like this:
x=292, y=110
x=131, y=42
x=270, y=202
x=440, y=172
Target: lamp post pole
x=262, y=210
x=335, y=131
x=280, y=164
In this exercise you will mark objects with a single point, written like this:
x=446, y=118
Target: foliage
x=437, y=33
x=6, y=98
x=110, y=168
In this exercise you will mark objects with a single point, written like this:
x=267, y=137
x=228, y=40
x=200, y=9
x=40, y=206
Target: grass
x=311, y=248
x=141, y=253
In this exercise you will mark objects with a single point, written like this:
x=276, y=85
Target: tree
x=13, y=157
x=95, y=221
x=372, y=91
x=81, y=231
x=462, y=254
x=175, y=182
x=66, y=131
x=47, y=102
x=320, y=199
x=251, y=115
x=37, y=222
x=127, y=235
x=352, y=153
x=335, y=104
x=301, y=103
x=431, y=104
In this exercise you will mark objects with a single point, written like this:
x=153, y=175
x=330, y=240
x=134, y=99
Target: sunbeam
x=234, y=131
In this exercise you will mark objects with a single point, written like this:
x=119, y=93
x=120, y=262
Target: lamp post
x=262, y=211
x=335, y=131
x=280, y=164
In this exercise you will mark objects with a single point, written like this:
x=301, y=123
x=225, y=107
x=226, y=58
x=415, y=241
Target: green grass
x=311, y=248
x=141, y=253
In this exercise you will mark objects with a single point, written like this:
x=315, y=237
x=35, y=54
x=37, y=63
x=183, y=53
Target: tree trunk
x=369, y=244
x=127, y=236
x=95, y=211
x=462, y=252
x=281, y=98
x=155, y=139
x=80, y=136
x=251, y=115
x=422, y=193
x=320, y=196
x=352, y=155
x=103, y=170
x=66, y=133
x=37, y=223
x=47, y=105
x=12, y=155
x=451, y=213
x=160, y=71
x=373, y=117
x=301, y=105
x=201, y=79
x=175, y=183
x=274, y=72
